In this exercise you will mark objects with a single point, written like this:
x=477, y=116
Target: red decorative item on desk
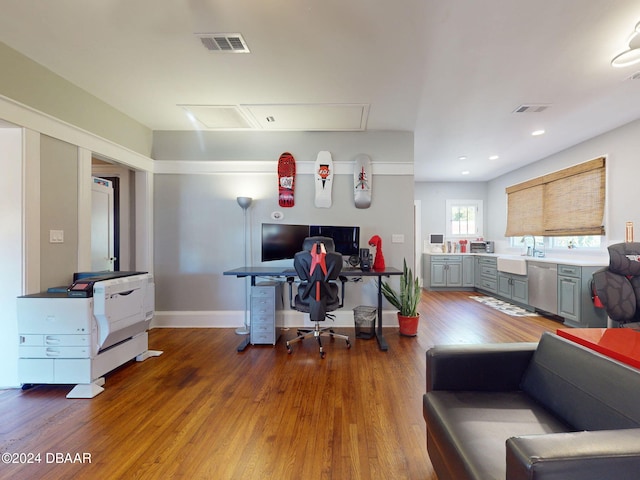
x=378, y=263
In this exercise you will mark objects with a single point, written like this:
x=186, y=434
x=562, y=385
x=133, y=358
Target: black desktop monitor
x=282, y=242
x=346, y=239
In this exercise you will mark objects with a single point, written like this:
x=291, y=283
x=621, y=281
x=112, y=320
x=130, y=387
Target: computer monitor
x=346, y=239
x=282, y=242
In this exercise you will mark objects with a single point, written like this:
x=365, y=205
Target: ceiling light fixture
x=494, y=157
x=537, y=133
x=631, y=56
x=465, y=172
x=462, y=157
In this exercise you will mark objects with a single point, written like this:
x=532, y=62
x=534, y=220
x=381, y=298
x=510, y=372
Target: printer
x=78, y=336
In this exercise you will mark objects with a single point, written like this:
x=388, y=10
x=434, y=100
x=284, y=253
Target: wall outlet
x=56, y=236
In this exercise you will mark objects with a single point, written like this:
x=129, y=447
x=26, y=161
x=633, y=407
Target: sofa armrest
x=483, y=367
x=592, y=455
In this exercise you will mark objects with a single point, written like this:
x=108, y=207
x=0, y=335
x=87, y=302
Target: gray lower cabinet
x=574, y=297
x=513, y=287
x=486, y=274
x=444, y=271
x=267, y=314
x=468, y=272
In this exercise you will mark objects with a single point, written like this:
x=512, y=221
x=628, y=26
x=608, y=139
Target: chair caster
x=322, y=354
x=289, y=350
x=348, y=344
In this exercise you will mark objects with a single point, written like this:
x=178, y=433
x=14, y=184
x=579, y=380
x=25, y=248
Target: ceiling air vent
x=531, y=108
x=635, y=76
x=224, y=42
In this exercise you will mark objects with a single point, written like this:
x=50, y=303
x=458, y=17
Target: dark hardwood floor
x=204, y=411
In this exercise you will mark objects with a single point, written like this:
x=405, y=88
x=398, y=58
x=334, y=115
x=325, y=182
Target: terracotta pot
x=408, y=325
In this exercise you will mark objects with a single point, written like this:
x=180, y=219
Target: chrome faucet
x=533, y=250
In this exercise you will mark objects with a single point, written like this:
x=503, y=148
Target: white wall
x=621, y=146
x=434, y=195
x=11, y=241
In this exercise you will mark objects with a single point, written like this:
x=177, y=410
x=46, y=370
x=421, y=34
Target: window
x=585, y=241
x=569, y=202
x=558, y=243
x=464, y=218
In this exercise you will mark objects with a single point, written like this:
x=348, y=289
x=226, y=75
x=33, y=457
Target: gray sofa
x=552, y=410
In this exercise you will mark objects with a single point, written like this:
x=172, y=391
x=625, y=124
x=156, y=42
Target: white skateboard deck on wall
x=324, y=179
x=362, y=181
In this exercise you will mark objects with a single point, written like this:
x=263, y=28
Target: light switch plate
x=397, y=238
x=56, y=236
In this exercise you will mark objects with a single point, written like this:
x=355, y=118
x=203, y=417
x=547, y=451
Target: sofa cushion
x=588, y=390
x=475, y=426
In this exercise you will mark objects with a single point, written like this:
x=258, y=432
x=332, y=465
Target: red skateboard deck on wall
x=286, y=179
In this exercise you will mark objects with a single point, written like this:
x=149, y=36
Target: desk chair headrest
x=309, y=242
x=624, y=258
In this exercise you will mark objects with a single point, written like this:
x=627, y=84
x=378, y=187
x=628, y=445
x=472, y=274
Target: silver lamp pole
x=245, y=203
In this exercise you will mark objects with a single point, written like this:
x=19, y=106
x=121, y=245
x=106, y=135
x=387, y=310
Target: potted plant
x=405, y=300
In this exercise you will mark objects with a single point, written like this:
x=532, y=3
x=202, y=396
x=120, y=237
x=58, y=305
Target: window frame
x=477, y=204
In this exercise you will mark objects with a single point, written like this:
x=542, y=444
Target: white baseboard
x=235, y=319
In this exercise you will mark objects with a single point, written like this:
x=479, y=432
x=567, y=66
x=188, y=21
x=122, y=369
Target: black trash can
x=365, y=321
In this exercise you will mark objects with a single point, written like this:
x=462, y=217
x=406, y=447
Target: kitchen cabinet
x=574, y=298
x=447, y=271
x=513, y=287
x=486, y=274
x=468, y=271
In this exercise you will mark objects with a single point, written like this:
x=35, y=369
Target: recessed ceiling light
x=465, y=172
x=494, y=157
x=537, y=133
x=462, y=157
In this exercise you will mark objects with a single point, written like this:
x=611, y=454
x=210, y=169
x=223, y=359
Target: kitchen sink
x=512, y=264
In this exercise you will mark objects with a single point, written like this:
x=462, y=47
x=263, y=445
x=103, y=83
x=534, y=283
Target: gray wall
x=58, y=211
x=29, y=83
x=198, y=226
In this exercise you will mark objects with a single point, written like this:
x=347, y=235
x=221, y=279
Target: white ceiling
x=451, y=71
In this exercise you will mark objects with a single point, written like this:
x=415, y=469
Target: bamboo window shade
x=562, y=203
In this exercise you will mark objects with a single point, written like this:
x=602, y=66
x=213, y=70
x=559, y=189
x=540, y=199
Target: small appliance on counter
x=491, y=246
x=478, y=246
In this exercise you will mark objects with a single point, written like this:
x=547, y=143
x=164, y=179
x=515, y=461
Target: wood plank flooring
x=204, y=411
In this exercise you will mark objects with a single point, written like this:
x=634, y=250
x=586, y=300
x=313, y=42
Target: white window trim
x=479, y=217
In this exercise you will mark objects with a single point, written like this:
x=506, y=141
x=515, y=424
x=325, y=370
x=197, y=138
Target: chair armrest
x=592, y=455
x=484, y=367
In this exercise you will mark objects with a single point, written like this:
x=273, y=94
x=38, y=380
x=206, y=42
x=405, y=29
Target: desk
x=254, y=272
x=622, y=344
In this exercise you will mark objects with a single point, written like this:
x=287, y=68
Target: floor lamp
x=245, y=203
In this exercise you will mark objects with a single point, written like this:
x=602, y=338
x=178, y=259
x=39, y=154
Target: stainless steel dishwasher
x=543, y=286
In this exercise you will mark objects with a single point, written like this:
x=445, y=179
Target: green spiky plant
x=407, y=299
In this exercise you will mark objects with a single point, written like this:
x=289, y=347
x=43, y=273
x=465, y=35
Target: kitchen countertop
x=582, y=261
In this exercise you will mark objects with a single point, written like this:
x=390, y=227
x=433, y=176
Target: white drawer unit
x=267, y=315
